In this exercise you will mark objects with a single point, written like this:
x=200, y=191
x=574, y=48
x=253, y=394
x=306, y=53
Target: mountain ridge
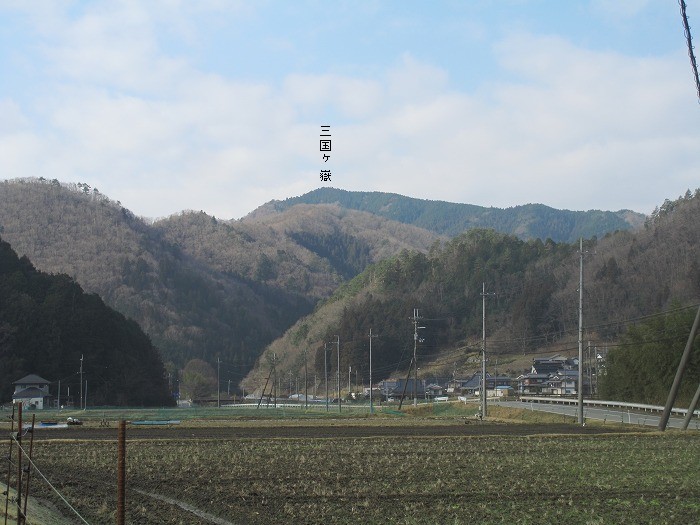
x=526, y=221
x=627, y=275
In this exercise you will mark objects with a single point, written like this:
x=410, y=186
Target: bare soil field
x=403, y=470
x=323, y=430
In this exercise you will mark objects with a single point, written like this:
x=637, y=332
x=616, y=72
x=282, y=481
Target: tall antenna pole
x=580, y=335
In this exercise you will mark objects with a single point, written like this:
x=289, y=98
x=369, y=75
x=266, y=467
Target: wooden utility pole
x=679, y=374
x=691, y=409
x=408, y=378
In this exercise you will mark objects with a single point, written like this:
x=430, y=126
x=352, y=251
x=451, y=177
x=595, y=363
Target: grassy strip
x=39, y=512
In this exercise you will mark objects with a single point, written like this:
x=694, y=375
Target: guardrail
x=605, y=404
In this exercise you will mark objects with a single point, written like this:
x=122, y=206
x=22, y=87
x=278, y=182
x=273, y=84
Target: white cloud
x=570, y=127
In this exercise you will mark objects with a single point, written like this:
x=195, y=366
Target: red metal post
x=121, y=473
x=19, y=464
x=29, y=469
x=9, y=464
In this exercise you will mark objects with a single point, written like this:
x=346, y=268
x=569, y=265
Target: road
x=602, y=414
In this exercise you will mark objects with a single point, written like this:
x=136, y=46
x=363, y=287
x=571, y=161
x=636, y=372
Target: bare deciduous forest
x=207, y=288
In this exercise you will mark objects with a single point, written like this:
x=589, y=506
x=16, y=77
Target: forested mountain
x=534, y=306
x=206, y=288
x=47, y=324
x=642, y=367
x=530, y=221
x=308, y=250
x=199, y=286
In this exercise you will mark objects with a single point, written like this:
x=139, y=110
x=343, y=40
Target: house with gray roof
x=32, y=391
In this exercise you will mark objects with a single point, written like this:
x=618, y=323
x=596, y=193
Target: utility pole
x=483, y=347
x=679, y=374
x=275, y=384
x=306, y=382
x=580, y=335
x=691, y=409
x=325, y=369
x=371, y=406
x=415, y=360
x=218, y=383
x=337, y=372
x=81, y=381
x=349, y=385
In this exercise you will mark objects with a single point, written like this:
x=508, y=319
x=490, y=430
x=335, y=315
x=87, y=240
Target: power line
x=48, y=482
x=689, y=40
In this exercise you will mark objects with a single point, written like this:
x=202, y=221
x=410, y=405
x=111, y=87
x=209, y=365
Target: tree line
x=48, y=324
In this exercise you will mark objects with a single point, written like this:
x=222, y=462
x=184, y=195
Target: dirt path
x=324, y=431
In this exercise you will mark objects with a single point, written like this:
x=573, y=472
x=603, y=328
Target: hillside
x=530, y=221
x=307, y=250
x=199, y=286
x=48, y=324
x=627, y=275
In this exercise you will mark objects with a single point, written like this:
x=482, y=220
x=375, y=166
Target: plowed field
x=342, y=472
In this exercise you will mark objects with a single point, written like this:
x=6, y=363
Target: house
x=394, y=388
x=434, y=390
x=533, y=384
x=563, y=382
x=32, y=391
x=556, y=375
x=501, y=391
x=473, y=385
x=551, y=365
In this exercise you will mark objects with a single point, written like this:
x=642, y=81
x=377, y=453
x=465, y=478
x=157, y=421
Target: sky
x=215, y=105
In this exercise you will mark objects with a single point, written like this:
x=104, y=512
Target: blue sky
x=216, y=105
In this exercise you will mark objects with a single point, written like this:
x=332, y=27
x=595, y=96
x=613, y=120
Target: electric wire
x=689, y=40
x=47, y=481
